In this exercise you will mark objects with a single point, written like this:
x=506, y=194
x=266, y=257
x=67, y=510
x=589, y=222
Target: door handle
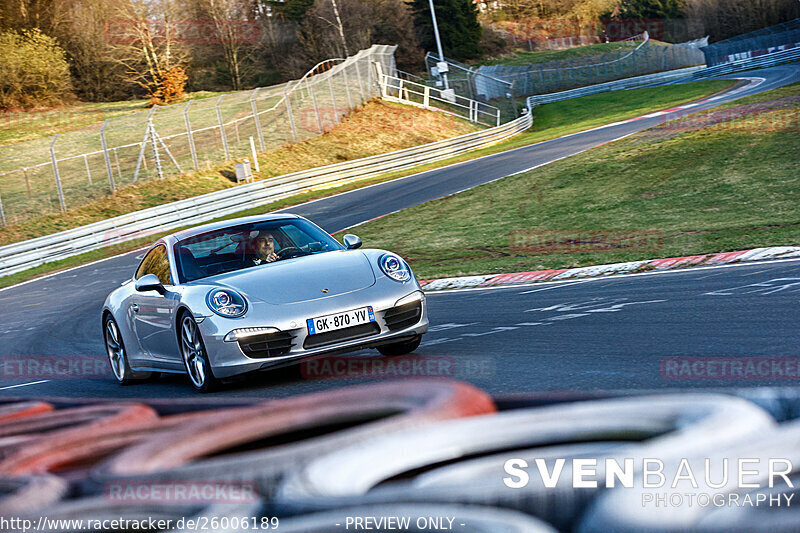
x=135, y=308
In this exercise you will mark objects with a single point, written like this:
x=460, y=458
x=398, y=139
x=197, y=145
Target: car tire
x=194, y=355
x=118, y=355
x=401, y=348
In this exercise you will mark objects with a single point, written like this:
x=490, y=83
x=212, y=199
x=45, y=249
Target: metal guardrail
x=766, y=60
x=31, y=253
x=627, y=83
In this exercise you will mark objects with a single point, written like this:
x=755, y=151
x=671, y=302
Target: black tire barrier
x=27, y=494
x=623, y=510
x=300, y=428
x=668, y=426
x=420, y=517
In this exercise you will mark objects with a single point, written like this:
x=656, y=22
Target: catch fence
x=71, y=169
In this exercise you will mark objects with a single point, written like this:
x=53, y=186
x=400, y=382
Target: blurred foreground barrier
x=82, y=447
x=623, y=510
x=69, y=424
x=667, y=426
x=299, y=428
x=25, y=494
x=22, y=410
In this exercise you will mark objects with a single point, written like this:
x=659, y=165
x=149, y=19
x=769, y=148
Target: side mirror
x=351, y=242
x=150, y=282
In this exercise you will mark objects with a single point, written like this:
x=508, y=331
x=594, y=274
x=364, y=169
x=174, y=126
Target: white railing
x=627, y=83
x=396, y=89
x=28, y=254
x=766, y=60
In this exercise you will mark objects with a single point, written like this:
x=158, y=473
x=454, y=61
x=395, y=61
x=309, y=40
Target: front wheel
x=195, y=358
x=401, y=348
x=117, y=355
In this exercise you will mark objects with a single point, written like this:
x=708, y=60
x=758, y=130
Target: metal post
x=88, y=172
x=255, y=155
x=222, y=129
x=156, y=157
x=347, y=88
x=105, y=155
x=316, y=107
x=360, y=82
x=2, y=214
x=116, y=159
x=55, y=172
x=190, y=135
x=27, y=181
x=286, y=100
x=426, y=97
x=438, y=42
x=257, y=120
x=143, y=146
x=333, y=99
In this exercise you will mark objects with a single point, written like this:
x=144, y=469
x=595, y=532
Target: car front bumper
x=228, y=358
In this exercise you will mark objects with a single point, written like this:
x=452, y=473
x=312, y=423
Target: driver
x=263, y=249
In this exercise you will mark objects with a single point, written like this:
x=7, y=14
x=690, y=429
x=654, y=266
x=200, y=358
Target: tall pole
x=438, y=42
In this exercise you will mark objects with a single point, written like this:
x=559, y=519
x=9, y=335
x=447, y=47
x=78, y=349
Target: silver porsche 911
x=248, y=294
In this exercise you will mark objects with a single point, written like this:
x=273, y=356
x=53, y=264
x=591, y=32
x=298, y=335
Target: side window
x=156, y=262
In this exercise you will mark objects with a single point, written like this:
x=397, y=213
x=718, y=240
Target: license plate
x=343, y=320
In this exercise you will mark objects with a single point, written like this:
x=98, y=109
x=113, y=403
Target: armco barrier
x=627, y=83
x=34, y=252
x=762, y=61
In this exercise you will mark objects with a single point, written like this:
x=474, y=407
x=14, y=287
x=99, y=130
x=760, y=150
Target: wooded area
x=103, y=50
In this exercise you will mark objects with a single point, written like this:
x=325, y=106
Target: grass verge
x=525, y=57
x=19, y=126
x=683, y=188
x=552, y=120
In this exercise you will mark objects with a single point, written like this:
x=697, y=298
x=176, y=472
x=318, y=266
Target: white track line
x=24, y=384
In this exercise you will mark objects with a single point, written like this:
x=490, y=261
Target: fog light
x=243, y=333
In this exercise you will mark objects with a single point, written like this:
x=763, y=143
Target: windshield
x=249, y=246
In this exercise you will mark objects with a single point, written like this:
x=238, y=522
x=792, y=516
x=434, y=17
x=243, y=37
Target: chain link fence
x=767, y=40
x=71, y=169
x=555, y=76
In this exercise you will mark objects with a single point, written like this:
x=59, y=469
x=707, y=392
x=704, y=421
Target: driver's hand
x=272, y=257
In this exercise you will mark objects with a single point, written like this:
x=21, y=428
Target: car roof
x=197, y=230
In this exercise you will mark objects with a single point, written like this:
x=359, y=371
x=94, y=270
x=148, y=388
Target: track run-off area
x=634, y=332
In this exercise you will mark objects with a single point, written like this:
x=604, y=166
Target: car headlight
x=226, y=302
x=394, y=267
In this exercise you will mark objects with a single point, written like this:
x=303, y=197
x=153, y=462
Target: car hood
x=303, y=278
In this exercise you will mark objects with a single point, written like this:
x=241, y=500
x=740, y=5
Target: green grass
x=525, y=57
x=551, y=121
x=707, y=190
x=19, y=126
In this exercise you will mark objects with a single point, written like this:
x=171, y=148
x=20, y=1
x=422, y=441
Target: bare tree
x=235, y=32
x=147, y=42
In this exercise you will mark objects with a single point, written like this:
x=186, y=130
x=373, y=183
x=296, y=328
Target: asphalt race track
x=626, y=332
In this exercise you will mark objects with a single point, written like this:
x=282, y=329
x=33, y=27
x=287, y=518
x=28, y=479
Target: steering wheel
x=288, y=249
